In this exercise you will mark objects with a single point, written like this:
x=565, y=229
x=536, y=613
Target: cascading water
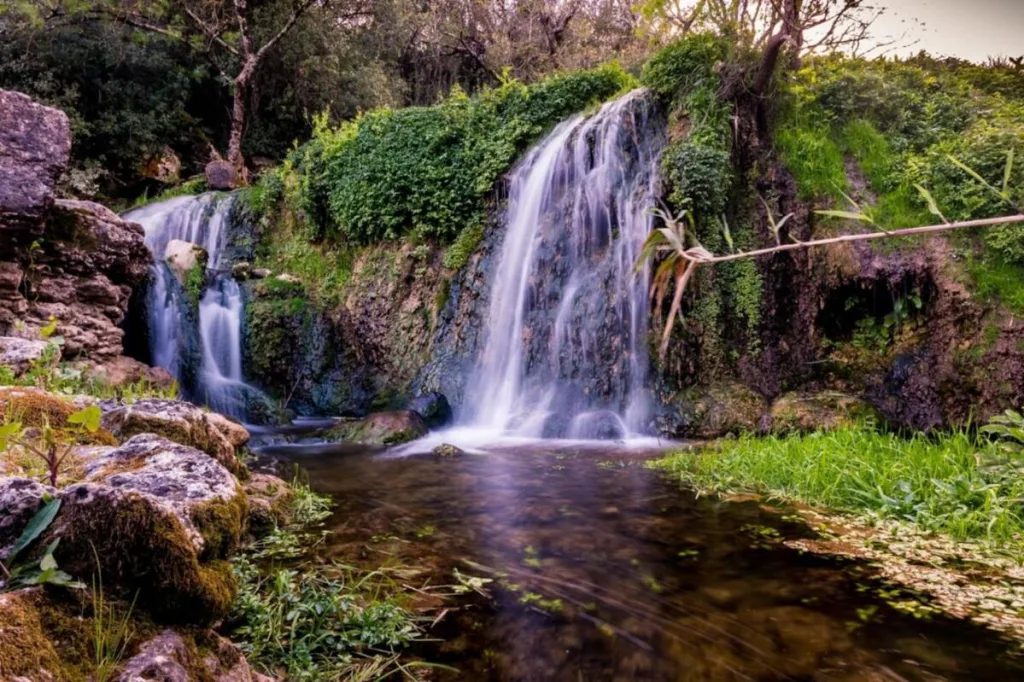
x=198, y=220
x=565, y=347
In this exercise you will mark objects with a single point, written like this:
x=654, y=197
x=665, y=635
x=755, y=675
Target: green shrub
x=683, y=65
x=428, y=170
x=462, y=248
x=698, y=176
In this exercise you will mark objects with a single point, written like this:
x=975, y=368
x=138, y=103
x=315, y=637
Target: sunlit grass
x=936, y=482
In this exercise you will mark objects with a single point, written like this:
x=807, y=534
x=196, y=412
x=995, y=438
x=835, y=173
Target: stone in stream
x=162, y=518
x=182, y=422
x=381, y=428
x=445, y=450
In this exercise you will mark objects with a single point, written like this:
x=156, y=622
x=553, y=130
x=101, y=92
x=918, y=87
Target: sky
x=970, y=29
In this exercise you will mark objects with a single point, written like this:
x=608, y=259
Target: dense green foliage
x=428, y=170
x=684, y=66
x=938, y=483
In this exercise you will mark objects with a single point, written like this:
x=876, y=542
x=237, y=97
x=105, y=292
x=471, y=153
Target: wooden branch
x=209, y=31
x=908, y=232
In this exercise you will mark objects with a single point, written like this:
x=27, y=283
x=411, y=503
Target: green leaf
x=846, y=215
x=8, y=431
x=40, y=522
x=48, y=563
x=48, y=331
x=89, y=418
x=1006, y=174
x=933, y=207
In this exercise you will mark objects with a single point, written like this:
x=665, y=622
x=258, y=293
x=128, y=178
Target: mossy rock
x=716, y=411
x=183, y=423
x=270, y=500
x=34, y=408
x=39, y=641
x=20, y=499
x=827, y=410
x=381, y=428
x=161, y=519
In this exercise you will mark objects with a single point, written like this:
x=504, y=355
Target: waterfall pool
x=601, y=569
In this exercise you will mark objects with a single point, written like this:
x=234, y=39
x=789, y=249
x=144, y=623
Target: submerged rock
x=19, y=354
x=20, y=499
x=381, y=428
x=183, y=423
x=433, y=407
x=813, y=411
x=162, y=518
x=447, y=450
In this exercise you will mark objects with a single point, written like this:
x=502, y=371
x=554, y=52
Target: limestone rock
x=220, y=175
x=35, y=144
x=182, y=256
x=818, y=411
x=182, y=423
x=20, y=499
x=381, y=428
x=19, y=354
x=169, y=658
x=123, y=371
x=433, y=407
x=163, y=167
x=163, y=518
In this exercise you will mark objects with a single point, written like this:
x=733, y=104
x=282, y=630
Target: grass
x=324, y=270
x=813, y=158
x=935, y=482
x=996, y=280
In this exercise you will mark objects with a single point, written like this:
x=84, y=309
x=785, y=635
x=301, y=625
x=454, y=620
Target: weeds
x=111, y=634
x=940, y=483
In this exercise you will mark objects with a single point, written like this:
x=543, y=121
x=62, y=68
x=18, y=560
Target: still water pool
x=604, y=570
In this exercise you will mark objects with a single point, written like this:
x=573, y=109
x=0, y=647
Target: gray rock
x=19, y=354
x=167, y=658
x=35, y=144
x=220, y=175
x=381, y=428
x=20, y=499
x=182, y=423
x=447, y=450
x=241, y=271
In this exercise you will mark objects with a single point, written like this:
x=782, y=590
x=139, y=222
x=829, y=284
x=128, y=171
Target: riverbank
x=941, y=515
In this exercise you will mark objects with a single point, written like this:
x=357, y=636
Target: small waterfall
x=199, y=220
x=565, y=348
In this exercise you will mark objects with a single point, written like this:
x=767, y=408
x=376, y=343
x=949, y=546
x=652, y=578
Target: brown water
x=613, y=573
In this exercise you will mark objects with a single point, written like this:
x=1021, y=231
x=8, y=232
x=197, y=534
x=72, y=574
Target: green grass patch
x=813, y=158
x=996, y=280
x=935, y=482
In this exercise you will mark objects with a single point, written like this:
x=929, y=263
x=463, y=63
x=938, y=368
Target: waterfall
x=199, y=220
x=566, y=333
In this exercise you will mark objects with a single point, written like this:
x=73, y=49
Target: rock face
x=20, y=499
x=168, y=658
x=163, y=518
x=714, y=412
x=72, y=261
x=35, y=144
x=19, y=354
x=433, y=407
x=381, y=428
x=183, y=423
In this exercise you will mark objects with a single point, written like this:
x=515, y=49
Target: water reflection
x=603, y=571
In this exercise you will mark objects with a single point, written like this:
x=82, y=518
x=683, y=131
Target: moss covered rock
x=818, y=411
x=182, y=423
x=163, y=518
x=39, y=640
x=32, y=407
x=173, y=657
x=715, y=411
x=381, y=428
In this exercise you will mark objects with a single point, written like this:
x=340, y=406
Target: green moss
x=195, y=280
x=458, y=254
x=220, y=523
x=720, y=409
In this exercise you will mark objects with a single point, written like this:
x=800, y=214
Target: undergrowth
x=940, y=483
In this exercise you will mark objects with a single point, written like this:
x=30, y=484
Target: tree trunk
x=238, y=112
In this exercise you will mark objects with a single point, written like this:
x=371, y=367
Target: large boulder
x=162, y=519
x=381, y=428
x=19, y=354
x=122, y=372
x=20, y=499
x=819, y=411
x=35, y=145
x=433, y=407
x=221, y=175
x=183, y=423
